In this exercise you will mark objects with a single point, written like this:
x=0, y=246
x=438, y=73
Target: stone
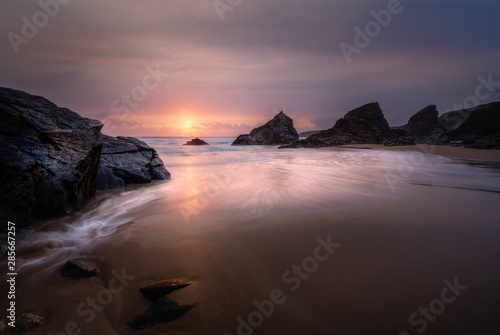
x=161, y=310
x=425, y=125
x=127, y=160
x=277, y=131
x=363, y=125
x=196, y=141
x=158, y=289
x=79, y=268
x=397, y=137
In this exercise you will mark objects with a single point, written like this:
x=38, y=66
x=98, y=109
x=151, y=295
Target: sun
x=187, y=125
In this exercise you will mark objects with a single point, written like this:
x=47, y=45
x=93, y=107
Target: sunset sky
x=174, y=68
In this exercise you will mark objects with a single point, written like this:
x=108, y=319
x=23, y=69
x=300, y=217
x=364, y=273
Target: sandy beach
x=357, y=257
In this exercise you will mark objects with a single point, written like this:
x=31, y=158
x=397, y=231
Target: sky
x=219, y=68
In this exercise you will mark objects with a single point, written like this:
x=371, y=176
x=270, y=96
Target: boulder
x=49, y=157
x=161, y=310
x=158, y=289
x=277, y=131
x=79, y=268
x=127, y=160
x=425, y=125
x=363, y=125
x=196, y=141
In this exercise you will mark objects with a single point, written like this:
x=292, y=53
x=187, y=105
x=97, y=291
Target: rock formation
x=481, y=128
x=425, y=125
x=363, y=125
x=196, y=141
x=277, y=131
x=127, y=160
x=50, y=157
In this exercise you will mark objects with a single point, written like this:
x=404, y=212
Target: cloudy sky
x=204, y=67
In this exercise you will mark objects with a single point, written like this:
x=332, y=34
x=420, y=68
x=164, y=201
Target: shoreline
x=439, y=150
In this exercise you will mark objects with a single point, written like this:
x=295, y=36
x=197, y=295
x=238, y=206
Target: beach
x=351, y=240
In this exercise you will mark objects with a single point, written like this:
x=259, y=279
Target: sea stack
x=278, y=131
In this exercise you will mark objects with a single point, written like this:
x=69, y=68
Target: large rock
x=277, y=131
x=49, y=157
x=127, y=160
x=363, y=125
x=481, y=129
x=425, y=125
x=160, y=288
x=79, y=268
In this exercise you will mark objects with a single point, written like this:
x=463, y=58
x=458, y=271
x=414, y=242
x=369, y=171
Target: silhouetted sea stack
x=363, y=125
x=425, y=125
x=277, y=131
x=196, y=141
x=50, y=158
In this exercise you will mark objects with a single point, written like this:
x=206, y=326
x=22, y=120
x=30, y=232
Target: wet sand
x=392, y=256
x=440, y=150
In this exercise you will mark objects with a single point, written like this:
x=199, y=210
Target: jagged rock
x=397, y=137
x=161, y=288
x=277, y=131
x=49, y=158
x=79, y=268
x=425, y=125
x=161, y=310
x=363, y=125
x=196, y=141
x=127, y=160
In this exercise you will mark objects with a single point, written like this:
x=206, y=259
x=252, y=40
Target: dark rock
x=425, y=125
x=397, y=137
x=28, y=321
x=363, y=125
x=452, y=120
x=196, y=141
x=161, y=288
x=161, y=310
x=483, y=121
x=49, y=158
x=277, y=131
x=127, y=160
x=78, y=268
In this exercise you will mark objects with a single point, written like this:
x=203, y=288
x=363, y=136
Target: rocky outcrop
x=50, y=158
x=277, y=131
x=481, y=129
x=127, y=160
x=425, y=125
x=397, y=137
x=363, y=125
x=196, y=141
